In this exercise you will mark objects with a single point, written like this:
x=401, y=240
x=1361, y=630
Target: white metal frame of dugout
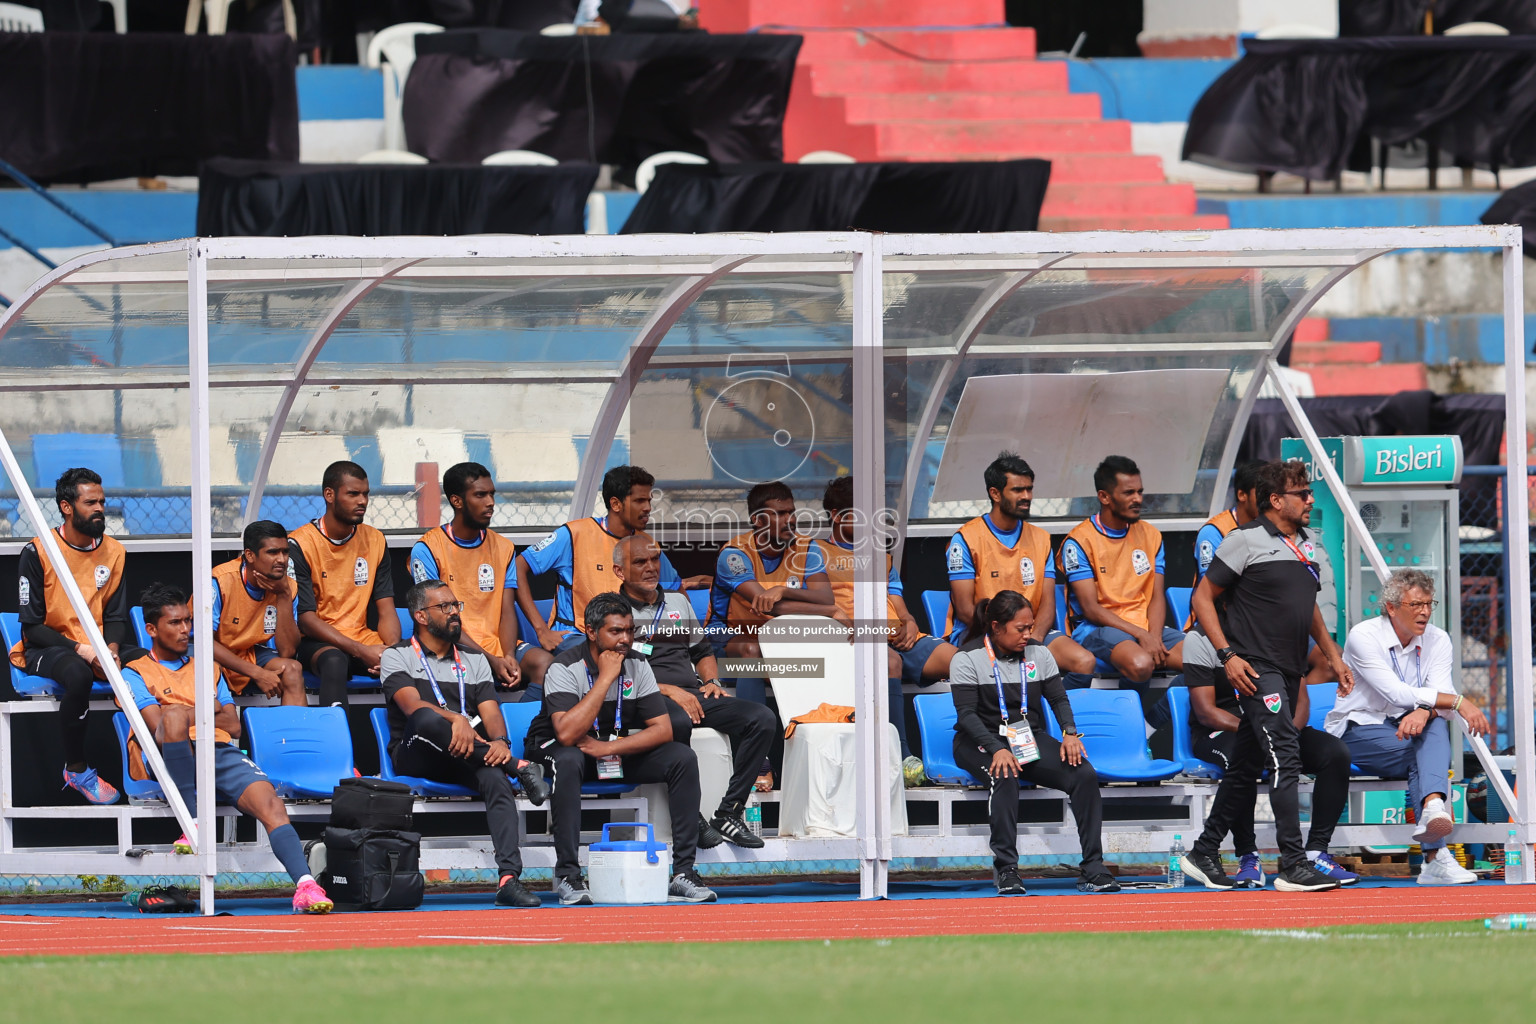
x=696, y=262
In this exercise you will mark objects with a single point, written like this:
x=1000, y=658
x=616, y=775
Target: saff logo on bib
x=360, y=572
x=486, y=577
x=735, y=564
x=793, y=583
x=1272, y=703
x=1069, y=559
x=419, y=571
x=269, y=620
x=1140, y=563
x=103, y=575
x=956, y=558
x=1027, y=572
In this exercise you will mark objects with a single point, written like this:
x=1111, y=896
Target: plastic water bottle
x=754, y=816
x=1512, y=853
x=1175, y=868
x=1507, y=923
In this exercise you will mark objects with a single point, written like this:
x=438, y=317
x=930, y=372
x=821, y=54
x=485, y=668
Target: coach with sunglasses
x=1257, y=604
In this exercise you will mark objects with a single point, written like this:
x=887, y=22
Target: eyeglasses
x=445, y=607
x=1305, y=494
x=1421, y=606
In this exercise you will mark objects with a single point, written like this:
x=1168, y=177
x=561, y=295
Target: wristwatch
x=1070, y=730
x=712, y=682
x=1226, y=654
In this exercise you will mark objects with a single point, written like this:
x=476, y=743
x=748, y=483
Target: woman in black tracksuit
x=997, y=665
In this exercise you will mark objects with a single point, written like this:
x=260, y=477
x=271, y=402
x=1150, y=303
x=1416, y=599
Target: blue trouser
x=1425, y=759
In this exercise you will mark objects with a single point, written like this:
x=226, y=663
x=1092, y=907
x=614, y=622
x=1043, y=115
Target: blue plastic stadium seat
x=1321, y=697
x=304, y=751
x=700, y=601
x=519, y=717
x=525, y=630
x=136, y=615
x=138, y=792
x=1114, y=734
x=1178, y=605
x=1178, y=705
x=407, y=624
x=936, y=606
x=23, y=682
x=936, y=726
x=379, y=719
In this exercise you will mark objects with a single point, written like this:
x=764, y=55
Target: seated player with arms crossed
x=53, y=642
x=580, y=554
x=1002, y=550
x=479, y=564
x=911, y=655
x=341, y=566
x=162, y=684
x=254, y=632
x=1113, y=562
x=997, y=682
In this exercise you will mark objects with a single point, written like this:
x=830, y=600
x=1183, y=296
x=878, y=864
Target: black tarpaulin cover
x=248, y=197
x=1001, y=196
x=1516, y=206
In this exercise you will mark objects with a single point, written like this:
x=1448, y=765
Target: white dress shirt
x=1391, y=679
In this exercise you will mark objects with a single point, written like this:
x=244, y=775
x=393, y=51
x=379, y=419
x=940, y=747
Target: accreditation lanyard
x=1316, y=573
x=1418, y=665
x=618, y=708
x=997, y=677
x=661, y=607
x=458, y=671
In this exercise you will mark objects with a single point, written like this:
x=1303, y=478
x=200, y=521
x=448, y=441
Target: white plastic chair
x=826, y=156
x=647, y=169
x=1294, y=30
x=558, y=29
x=520, y=158
x=391, y=156
x=393, y=51
x=217, y=12
x=1477, y=28
x=16, y=18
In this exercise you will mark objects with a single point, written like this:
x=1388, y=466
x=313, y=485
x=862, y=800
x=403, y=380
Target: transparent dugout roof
x=714, y=361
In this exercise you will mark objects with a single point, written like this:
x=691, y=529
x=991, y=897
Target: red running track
x=1125, y=912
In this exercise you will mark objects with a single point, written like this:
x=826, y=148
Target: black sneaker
x=1304, y=878
x=735, y=831
x=1206, y=870
x=688, y=887
x=573, y=892
x=1101, y=881
x=1010, y=884
x=709, y=836
x=512, y=894
x=531, y=777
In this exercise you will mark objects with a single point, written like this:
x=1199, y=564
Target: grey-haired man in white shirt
x=1396, y=722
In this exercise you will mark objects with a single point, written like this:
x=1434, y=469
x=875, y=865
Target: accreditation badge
x=1021, y=740
x=610, y=768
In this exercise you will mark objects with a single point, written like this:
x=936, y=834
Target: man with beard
x=1113, y=562
x=604, y=719
x=53, y=642
x=580, y=553
x=479, y=564
x=445, y=724
x=342, y=566
x=254, y=632
x=1002, y=551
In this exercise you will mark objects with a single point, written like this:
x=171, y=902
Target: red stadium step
x=1151, y=199
x=1321, y=352
x=1313, y=328
x=841, y=77
x=967, y=106
x=897, y=45
x=1357, y=379
x=1115, y=222
x=741, y=15
x=1065, y=167
x=943, y=139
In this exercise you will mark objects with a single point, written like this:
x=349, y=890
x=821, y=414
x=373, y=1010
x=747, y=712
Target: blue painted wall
x=1350, y=209
x=129, y=216
x=340, y=92
x=1435, y=340
x=1146, y=89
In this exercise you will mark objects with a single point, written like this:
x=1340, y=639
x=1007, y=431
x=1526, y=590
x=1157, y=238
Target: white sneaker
x=1435, y=823
x=1442, y=869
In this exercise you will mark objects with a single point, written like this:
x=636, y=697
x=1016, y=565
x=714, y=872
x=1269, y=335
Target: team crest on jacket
x=1027, y=572
x=1311, y=552
x=1031, y=671
x=360, y=572
x=486, y=577
x=1272, y=703
x=1140, y=563
x=103, y=575
x=26, y=591
x=269, y=620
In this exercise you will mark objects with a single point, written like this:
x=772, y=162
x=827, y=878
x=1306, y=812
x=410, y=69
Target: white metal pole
x=1517, y=522
x=204, y=696
x=869, y=592
x=46, y=539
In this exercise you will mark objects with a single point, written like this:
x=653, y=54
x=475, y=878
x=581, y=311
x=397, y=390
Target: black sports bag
x=372, y=804
x=373, y=869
